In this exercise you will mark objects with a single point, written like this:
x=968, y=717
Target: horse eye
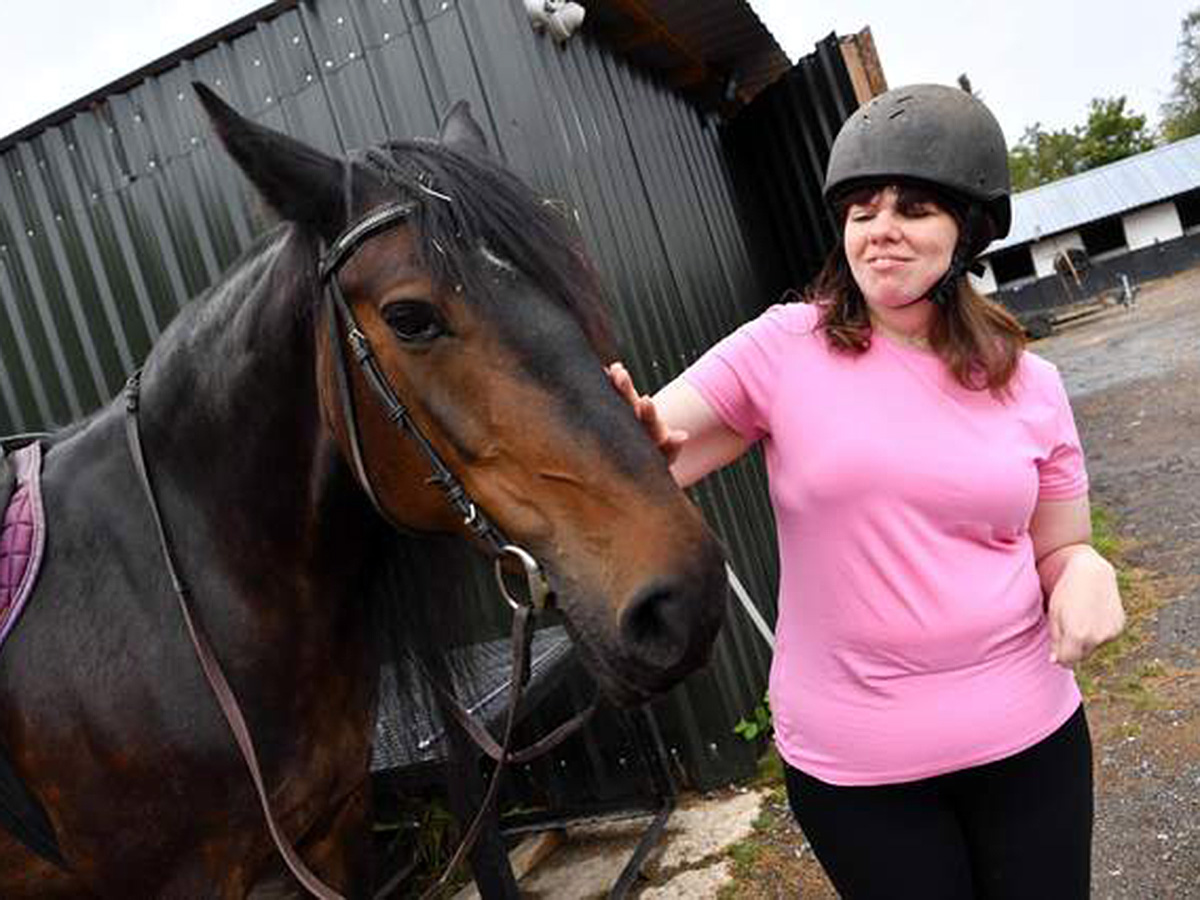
x=414, y=321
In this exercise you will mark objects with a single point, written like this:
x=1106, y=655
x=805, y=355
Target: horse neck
x=233, y=428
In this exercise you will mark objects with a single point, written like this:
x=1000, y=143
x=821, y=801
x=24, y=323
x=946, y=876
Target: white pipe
x=760, y=624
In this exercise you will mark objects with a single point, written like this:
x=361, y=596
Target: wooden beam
x=646, y=29
x=862, y=62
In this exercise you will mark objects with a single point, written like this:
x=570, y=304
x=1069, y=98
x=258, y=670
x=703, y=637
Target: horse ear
x=302, y=184
x=460, y=130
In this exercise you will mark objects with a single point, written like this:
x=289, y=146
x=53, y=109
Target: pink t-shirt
x=911, y=638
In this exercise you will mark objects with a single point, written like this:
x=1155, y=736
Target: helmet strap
x=962, y=260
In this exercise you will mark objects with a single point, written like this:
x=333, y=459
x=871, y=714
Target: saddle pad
x=22, y=536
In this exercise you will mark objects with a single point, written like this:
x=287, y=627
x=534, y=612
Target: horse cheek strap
x=504, y=551
x=339, y=313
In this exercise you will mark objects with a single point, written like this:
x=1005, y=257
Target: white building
x=1138, y=216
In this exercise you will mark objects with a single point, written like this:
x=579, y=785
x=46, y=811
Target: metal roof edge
x=1136, y=159
x=1044, y=193
x=677, y=29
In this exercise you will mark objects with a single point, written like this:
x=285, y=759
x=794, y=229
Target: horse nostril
x=667, y=628
x=657, y=627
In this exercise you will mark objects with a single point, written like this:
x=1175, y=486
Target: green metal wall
x=119, y=211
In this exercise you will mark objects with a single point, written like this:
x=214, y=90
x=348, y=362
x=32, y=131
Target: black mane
x=466, y=202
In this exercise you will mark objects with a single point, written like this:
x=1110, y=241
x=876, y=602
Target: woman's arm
x=680, y=421
x=1084, y=604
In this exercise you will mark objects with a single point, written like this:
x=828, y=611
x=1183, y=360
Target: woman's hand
x=1085, y=606
x=683, y=426
x=669, y=440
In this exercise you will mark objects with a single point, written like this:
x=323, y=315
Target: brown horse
x=482, y=317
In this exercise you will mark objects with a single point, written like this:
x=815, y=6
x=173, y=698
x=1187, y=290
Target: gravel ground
x=1134, y=380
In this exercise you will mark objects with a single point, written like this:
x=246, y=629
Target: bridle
x=340, y=315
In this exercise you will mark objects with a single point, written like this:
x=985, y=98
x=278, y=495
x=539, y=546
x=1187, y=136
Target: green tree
x=1042, y=156
x=1181, y=112
x=1111, y=133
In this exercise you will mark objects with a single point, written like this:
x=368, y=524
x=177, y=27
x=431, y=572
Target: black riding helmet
x=936, y=135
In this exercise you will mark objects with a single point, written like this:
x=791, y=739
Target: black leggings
x=1013, y=829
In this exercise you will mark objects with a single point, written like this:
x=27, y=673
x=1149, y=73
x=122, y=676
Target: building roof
x=1110, y=190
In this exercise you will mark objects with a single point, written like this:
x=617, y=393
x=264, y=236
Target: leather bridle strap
x=501, y=753
x=341, y=315
x=522, y=638
x=339, y=312
x=208, y=661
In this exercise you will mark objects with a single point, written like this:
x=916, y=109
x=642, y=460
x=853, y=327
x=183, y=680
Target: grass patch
x=1104, y=533
x=770, y=769
x=1104, y=673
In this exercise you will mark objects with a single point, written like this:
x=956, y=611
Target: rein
x=480, y=526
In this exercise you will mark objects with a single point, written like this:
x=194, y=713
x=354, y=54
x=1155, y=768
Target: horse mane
x=467, y=202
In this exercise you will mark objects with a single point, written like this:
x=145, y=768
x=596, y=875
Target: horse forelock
x=474, y=215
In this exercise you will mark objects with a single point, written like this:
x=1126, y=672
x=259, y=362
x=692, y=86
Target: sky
x=1032, y=61
x=53, y=52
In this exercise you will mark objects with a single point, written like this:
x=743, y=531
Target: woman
x=937, y=581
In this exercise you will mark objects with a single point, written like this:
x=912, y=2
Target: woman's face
x=898, y=244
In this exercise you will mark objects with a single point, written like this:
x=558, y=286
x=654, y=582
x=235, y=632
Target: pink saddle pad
x=22, y=536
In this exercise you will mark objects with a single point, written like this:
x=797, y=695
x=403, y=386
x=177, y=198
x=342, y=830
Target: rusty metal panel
x=118, y=211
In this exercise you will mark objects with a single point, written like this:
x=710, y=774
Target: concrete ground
x=690, y=860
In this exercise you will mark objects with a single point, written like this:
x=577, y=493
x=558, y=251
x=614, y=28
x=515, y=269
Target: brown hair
x=978, y=340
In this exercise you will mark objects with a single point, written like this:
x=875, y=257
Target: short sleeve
x=1062, y=474
x=738, y=375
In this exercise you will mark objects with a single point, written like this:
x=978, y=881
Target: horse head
x=483, y=319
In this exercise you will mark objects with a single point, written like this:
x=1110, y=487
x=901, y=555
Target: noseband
x=341, y=316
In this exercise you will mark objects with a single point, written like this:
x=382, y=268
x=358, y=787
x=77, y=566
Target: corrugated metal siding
x=1110, y=190
x=111, y=219
x=779, y=148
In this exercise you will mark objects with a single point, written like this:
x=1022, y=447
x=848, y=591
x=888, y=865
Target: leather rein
x=340, y=316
